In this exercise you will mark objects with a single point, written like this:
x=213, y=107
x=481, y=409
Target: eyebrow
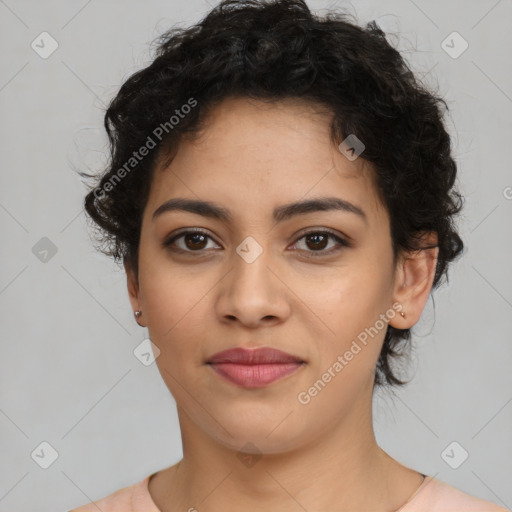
x=280, y=213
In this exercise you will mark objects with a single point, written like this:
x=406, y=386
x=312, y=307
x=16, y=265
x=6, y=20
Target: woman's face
x=252, y=279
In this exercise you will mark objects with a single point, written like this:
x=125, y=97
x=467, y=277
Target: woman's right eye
x=189, y=241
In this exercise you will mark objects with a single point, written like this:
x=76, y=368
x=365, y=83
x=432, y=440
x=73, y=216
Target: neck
x=342, y=469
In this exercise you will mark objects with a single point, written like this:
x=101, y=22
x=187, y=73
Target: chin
x=258, y=443
x=259, y=434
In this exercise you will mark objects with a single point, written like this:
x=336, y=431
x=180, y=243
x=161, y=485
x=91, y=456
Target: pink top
x=431, y=496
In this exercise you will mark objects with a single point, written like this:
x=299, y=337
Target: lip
x=254, y=368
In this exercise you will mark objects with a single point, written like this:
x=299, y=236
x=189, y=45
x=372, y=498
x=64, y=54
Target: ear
x=414, y=276
x=133, y=288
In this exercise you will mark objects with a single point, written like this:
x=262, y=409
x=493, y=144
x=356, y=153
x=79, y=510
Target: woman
x=281, y=195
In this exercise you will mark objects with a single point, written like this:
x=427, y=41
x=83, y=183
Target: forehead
x=253, y=156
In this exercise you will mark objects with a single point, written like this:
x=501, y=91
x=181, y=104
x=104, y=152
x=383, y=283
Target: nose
x=253, y=293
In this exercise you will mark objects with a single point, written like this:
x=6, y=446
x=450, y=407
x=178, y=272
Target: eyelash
x=311, y=254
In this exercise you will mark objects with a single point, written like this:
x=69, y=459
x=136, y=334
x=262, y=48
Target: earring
x=403, y=314
x=137, y=316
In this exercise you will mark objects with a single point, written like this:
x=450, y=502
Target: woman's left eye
x=317, y=241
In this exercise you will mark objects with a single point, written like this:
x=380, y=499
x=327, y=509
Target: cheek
x=357, y=296
x=178, y=322
x=179, y=315
x=171, y=295
x=352, y=307
x=178, y=325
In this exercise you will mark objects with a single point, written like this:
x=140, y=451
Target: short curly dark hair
x=271, y=50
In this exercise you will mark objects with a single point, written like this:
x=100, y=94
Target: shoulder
x=437, y=496
x=133, y=498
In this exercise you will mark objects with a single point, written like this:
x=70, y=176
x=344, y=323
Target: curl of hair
x=271, y=50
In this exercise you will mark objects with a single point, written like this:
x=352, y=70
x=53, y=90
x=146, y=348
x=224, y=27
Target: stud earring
x=138, y=314
x=403, y=314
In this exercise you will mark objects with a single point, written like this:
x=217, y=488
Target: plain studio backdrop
x=80, y=415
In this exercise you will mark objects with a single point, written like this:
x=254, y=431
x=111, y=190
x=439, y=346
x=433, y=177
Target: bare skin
x=197, y=300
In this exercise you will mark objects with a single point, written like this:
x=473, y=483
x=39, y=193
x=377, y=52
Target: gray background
x=68, y=373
